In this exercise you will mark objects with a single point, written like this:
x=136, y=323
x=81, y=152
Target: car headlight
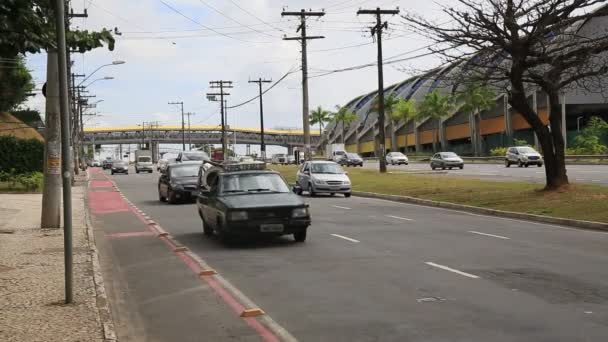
x=524, y=156
x=346, y=182
x=238, y=216
x=318, y=181
x=299, y=212
x=176, y=185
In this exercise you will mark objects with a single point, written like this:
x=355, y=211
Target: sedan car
x=523, y=156
x=447, y=160
x=396, y=158
x=320, y=176
x=107, y=164
x=246, y=200
x=178, y=183
x=163, y=163
x=351, y=159
x=119, y=166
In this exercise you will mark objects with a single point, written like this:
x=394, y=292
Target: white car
x=523, y=156
x=279, y=158
x=396, y=158
x=320, y=176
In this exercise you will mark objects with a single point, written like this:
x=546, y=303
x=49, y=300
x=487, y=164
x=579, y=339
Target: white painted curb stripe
x=452, y=270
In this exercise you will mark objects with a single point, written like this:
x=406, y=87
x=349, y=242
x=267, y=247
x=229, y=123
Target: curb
x=104, y=315
x=590, y=225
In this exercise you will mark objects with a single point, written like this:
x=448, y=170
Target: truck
x=335, y=152
x=143, y=161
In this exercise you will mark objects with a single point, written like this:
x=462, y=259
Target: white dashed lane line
x=339, y=207
x=399, y=218
x=491, y=235
x=469, y=275
x=345, y=238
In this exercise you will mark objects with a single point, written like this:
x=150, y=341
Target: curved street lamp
x=118, y=62
x=99, y=79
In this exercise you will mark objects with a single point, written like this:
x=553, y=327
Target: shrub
x=23, y=156
x=498, y=151
x=31, y=181
x=520, y=142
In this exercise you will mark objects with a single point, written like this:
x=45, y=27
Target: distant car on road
x=446, y=160
x=106, y=164
x=396, y=158
x=192, y=156
x=320, y=176
x=291, y=159
x=178, y=182
x=279, y=158
x=523, y=156
x=246, y=200
x=351, y=159
x=246, y=159
x=119, y=166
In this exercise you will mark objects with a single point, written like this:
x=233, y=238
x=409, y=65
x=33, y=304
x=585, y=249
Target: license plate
x=271, y=228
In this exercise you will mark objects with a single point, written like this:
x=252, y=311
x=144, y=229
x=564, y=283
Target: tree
x=406, y=111
x=344, y=116
x=524, y=46
x=15, y=82
x=589, y=141
x=435, y=106
x=390, y=103
x=320, y=116
x=474, y=99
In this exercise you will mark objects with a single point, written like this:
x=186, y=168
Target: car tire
x=520, y=164
x=311, y=190
x=112, y=173
x=160, y=197
x=432, y=167
x=171, y=197
x=526, y=164
x=461, y=167
x=449, y=168
x=347, y=195
x=332, y=194
x=443, y=167
x=207, y=230
x=299, y=191
x=136, y=171
x=507, y=163
x=540, y=165
x=300, y=236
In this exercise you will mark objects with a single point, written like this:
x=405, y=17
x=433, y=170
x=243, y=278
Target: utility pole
x=189, y=132
x=262, y=144
x=303, y=14
x=377, y=30
x=221, y=85
x=183, y=124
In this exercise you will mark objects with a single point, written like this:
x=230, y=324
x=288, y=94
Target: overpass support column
x=155, y=151
x=290, y=150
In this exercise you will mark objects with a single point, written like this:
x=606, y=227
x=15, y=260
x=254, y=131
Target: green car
x=246, y=200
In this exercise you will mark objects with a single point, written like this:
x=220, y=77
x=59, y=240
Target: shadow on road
x=211, y=243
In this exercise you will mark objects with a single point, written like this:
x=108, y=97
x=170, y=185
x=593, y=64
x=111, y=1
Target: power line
x=255, y=16
x=234, y=20
x=291, y=71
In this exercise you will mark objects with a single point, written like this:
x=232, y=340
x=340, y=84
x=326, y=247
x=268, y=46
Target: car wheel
x=507, y=164
x=136, y=171
x=520, y=164
x=161, y=197
x=299, y=191
x=171, y=197
x=443, y=167
x=206, y=228
x=432, y=167
x=526, y=164
x=112, y=173
x=311, y=190
x=300, y=236
x=126, y=173
x=449, y=168
x=540, y=165
x=332, y=194
x=461, y=167
x=347, y=195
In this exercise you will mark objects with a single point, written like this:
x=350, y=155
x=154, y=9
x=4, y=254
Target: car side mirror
x=307, y=173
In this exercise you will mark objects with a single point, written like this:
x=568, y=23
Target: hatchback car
x=351, y=159
x=396, y=158
x=120, y=166
x=319, y=176
x=179, y=182
x=523, y=156
x=446, y=160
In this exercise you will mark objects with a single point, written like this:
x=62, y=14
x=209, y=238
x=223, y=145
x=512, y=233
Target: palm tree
x=320, y=116
x=435, y=106
x=404, y=110
x=346, y=117
x=474, y=99
x=390, y=102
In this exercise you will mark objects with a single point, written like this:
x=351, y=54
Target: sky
x=171, y=56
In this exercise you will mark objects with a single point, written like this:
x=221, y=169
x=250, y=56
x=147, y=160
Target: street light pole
x=262, y=144
x=99, y=68
x=183, y=124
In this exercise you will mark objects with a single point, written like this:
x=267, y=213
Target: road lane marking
x=339, y=207
x=452, y=270
x=345, y=238
x=399, y=218
x=492, y=235
x=488, y=174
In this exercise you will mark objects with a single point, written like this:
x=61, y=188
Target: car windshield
x=144, y=159
x=398, y=154
x=195, y=156
x=526, y=150
x=184, y=171
x=449, y=155
x=120, y=163
x=353, y=156
x=253, y=182
x=327, y=168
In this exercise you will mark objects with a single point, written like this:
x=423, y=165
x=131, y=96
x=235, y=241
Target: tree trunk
x=343, y=134
x=394, y=147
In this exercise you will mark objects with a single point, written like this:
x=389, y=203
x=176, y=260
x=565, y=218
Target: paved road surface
x=374, y=270
x=593, y=174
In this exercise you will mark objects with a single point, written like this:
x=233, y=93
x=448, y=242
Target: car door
x=388, y=157
x=163, y=183
x=302, y=176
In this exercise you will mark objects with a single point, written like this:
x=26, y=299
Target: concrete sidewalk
x=32, y=276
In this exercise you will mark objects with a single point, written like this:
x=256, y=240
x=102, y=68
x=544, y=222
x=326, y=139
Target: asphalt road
x=592, y=174
x=374, y=270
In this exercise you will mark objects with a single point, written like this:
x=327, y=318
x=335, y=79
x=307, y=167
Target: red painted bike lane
x=158, y=290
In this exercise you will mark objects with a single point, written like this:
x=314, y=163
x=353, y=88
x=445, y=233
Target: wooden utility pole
x=262, y=144
x=221, y=85
x=189, y=132
x=303, y=14
x=377, y=30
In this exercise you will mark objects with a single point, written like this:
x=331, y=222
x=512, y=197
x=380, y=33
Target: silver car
x=396, y=158
x=523, y=156
x=447, y=160
x=320, y=176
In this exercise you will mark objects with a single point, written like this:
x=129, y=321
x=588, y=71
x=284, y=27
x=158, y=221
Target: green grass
x=9, y=187
x=582, y=202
